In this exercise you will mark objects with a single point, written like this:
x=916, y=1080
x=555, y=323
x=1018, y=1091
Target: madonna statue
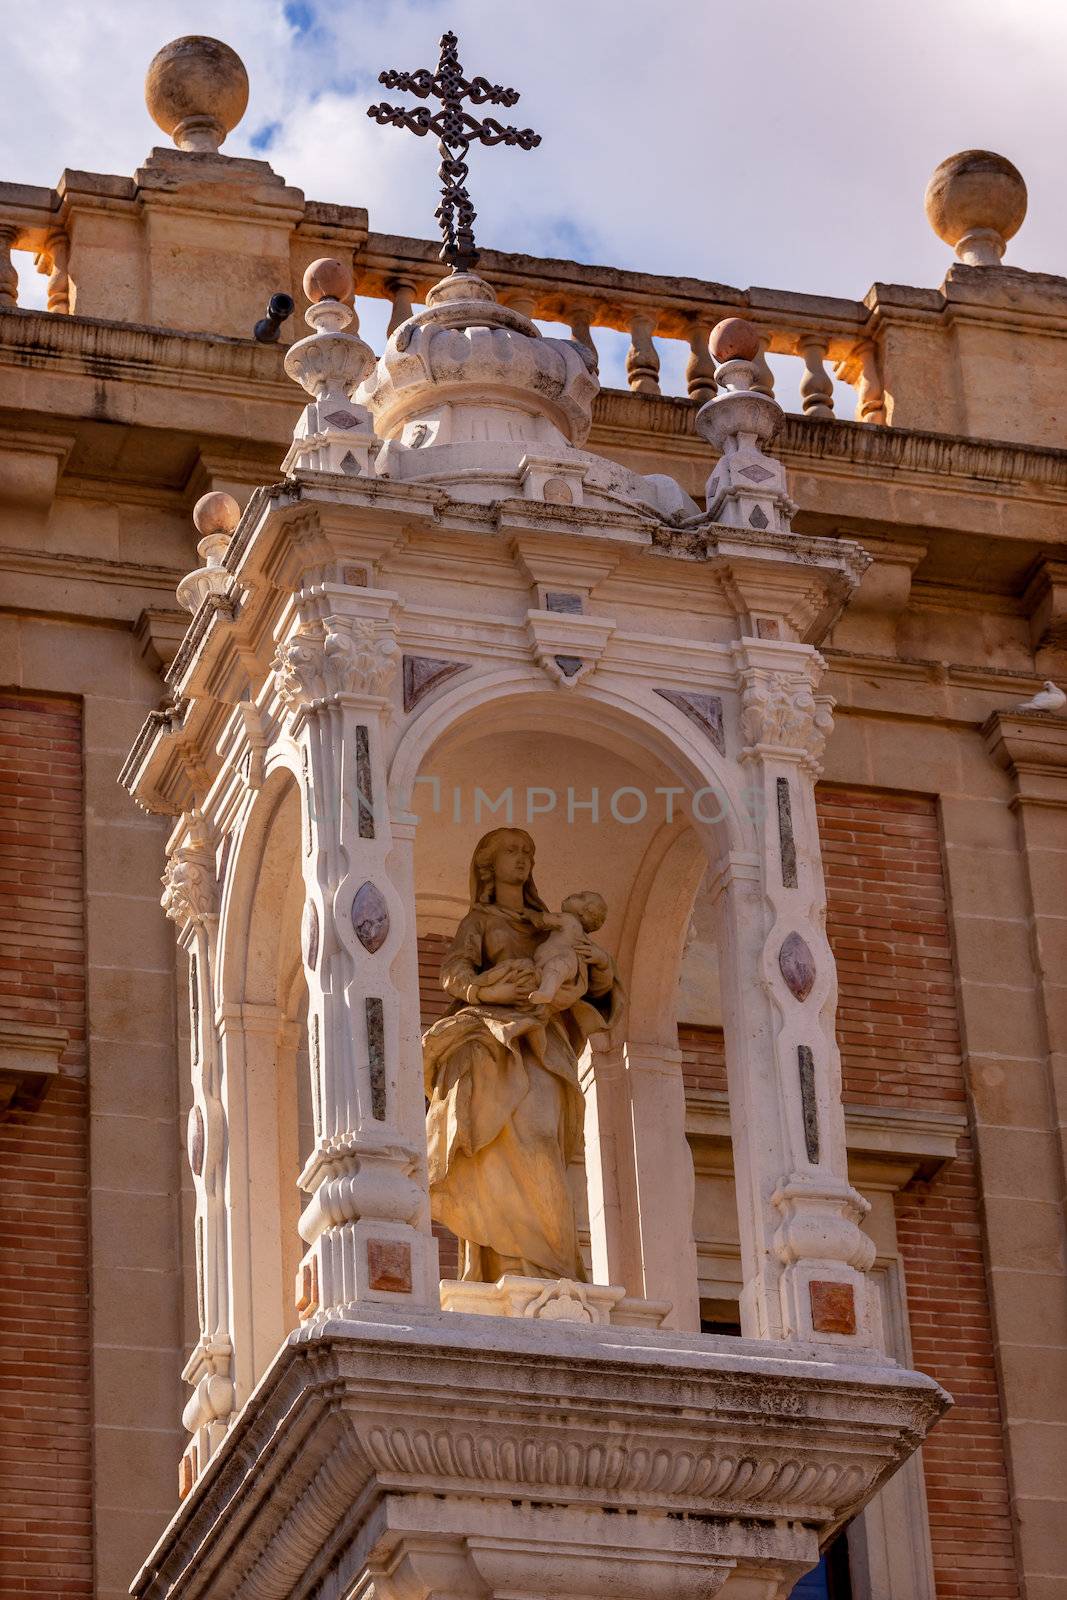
x=505, y=1109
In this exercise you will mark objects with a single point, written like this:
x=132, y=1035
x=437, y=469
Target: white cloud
x=775, y=143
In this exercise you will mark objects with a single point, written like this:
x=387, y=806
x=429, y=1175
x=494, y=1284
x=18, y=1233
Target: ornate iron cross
x=456, y=130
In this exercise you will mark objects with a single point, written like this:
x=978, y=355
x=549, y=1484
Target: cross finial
x=456, y=130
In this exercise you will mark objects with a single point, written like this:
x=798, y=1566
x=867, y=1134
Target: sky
x=784, y=143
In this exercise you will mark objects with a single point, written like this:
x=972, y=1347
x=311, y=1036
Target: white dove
x=1047, y=698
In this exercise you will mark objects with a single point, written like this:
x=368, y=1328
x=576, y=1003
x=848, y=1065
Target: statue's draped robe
x=505, y=1108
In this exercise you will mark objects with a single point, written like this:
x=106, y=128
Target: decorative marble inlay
x=423, y=673
x=375, y=1013
x=833, y=1307
x=570, y=666
x=364, y=783
x=389, y=1265
x=316, y=1072
x=564, y=604
x=797, y=965
x=195, y=1140
x=370, y=917
x=787, y=842
x=194, y=1009
x=808, y=1103
x=309, y=934
x=758, y=517
x=703, y=709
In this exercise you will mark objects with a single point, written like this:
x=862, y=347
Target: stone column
x=190, y=900
x=804, y=1257
x=367, y=1224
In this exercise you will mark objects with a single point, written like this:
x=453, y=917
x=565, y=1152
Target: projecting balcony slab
x=445, y=1453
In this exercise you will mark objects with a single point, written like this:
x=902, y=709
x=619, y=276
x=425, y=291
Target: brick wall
x=45, y=1462
x=888, y=925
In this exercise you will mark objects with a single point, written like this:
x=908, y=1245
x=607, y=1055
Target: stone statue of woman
x=505, y=1108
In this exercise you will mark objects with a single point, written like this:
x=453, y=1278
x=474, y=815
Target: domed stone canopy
x=976, y=202
x=469, y=393
x=196, y=89
x=465, y=349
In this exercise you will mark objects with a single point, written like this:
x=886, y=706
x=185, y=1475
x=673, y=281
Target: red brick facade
x=45, y=1460
x=888, y=924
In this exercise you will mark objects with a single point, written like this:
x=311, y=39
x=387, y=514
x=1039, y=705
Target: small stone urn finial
x=747, y=488
x=976, y=202
x=333, y=434
x=215, y=517
x=196, y=89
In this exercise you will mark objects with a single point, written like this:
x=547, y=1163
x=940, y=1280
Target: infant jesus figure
x=558, y=958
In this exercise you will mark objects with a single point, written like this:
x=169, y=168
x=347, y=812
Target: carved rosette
x=188, y=889
x=781, y=712
x=325, y=660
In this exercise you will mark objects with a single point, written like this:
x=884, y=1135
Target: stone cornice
x=132, y=352
x=888, y=1146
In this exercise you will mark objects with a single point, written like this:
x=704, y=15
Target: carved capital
x=781, y=712
x=188, y=889
x=338, y=657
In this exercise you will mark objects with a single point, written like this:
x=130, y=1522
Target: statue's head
x=589, y=907
x=505, y=855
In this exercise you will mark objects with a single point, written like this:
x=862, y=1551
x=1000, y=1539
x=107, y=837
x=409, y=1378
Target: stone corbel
x=1032, y=747
x=159, y=631
x=1045, y=604
x=884, y=592
x=567, y=646
x=29, y=1060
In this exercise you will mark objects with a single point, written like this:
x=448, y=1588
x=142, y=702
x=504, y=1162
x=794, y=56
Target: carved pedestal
x=438, y=1455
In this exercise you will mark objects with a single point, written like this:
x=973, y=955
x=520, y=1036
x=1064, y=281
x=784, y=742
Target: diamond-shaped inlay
x=758, y=517
x=342, y=419
x=756, y=473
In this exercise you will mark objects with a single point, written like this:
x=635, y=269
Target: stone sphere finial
x=216, y=513
x=327, y=279
x=196, y=89
x=976, y=202
x=733, y=339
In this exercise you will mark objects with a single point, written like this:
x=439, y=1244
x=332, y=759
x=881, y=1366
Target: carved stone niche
x=437, y=1454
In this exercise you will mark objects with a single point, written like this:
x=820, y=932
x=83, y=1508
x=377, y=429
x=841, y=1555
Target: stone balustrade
x=827, y=334
x=28, y=222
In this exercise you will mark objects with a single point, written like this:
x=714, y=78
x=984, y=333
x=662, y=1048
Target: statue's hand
x=599, y=962
x=507, y=983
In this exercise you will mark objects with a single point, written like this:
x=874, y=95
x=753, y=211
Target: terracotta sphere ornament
x=216, y=513
x=196, y=89
x=976, y=202
x=327, y=279
x=733, y=339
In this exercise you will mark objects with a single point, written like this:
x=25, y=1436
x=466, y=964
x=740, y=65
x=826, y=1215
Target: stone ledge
x=29, y=1060
x=770, y=1447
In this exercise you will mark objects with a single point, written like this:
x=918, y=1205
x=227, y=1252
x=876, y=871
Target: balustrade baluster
x=582, y=333
x=816, y=386
x=642, y=359
x=9, y=278
x=700, y=368
x=403, y=291
x=870, y=396
x=764, y=383
x=52, y=261
x=521, y=301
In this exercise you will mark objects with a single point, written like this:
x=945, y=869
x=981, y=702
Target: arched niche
x=262, y=1001
x=533, y=759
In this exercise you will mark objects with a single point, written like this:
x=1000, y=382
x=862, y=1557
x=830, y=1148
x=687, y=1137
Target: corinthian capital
x=781, y=711
x=351, y=656
x=188, y=889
